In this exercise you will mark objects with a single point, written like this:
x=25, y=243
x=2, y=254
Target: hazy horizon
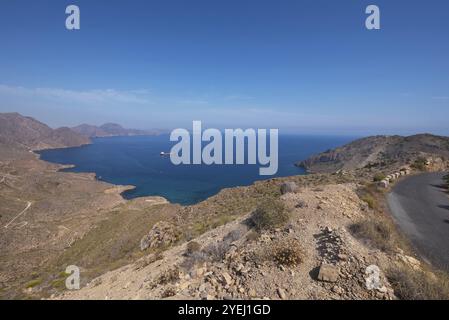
x=301, y=66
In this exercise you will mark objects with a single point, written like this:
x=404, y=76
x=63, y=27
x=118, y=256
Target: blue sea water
x=136, y=161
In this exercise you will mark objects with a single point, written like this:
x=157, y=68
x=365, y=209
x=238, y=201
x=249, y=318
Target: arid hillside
x=19, y=132
x=378, y=151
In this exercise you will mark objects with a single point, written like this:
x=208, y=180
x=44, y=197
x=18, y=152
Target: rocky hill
x=19, y=132
x=378, y=151
x=108, y=130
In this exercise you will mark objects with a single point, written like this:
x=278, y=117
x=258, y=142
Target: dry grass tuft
x=410, y=284
x=288, y=253
x=374, y=233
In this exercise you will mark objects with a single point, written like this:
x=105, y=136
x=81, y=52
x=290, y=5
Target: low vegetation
x=192, y=247
x=168, y=276
x=411, y=284
x=370, y=195
x=288, y=253
x=33, y=283
x=375, y=233
x=379, y=177
x=269, y=215
x=419, y=164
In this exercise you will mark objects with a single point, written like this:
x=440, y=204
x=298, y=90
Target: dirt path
x=21, y=213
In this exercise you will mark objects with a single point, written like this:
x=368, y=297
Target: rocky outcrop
x=232, y=262
x=328, y=273
x=163, y=234
x=377, y=152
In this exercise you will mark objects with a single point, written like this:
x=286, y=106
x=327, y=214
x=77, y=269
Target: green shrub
x=269, y=214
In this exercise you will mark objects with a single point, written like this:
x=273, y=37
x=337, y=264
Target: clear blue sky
x=303, y=66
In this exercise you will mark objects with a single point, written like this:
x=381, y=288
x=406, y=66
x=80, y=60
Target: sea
x=136, y=160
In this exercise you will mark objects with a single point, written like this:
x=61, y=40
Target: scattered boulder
x=328, y=273
x=289, y=187
x=162, y=234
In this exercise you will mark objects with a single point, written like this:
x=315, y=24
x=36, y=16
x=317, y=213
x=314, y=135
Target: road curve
x=420, y=206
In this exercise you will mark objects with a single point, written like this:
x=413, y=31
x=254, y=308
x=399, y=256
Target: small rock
x=227, y=278
x=282, y=294
x=252, y=293
x=343, y=257
x=328, y=273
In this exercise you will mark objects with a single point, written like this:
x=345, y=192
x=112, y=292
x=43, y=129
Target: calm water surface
x=136, y=161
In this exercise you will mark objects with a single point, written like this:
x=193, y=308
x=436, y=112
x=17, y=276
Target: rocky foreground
x=233, y=261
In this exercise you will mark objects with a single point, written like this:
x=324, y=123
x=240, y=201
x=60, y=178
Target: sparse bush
x=379, y=177
x=169, y=292
x=420, y=164
x=375, y=233
x=288, y=252
x=269, y=215
x=410, y=284
x=168, y=276
x=252, y=236
x=192, y=247
x=235, y=234
x=193, y=259
x=217, y=251
x=370, y=201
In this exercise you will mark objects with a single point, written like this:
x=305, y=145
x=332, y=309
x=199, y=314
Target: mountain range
x=20, y=132
x=109, y=130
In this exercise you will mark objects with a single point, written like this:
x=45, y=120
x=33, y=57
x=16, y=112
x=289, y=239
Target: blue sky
x=301, y=66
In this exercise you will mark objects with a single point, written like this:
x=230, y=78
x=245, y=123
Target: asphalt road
x=420, y=206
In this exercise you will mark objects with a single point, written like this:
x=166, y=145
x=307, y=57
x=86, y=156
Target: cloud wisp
x=94, y=97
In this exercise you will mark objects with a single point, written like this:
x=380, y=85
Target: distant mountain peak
x=18, y=131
